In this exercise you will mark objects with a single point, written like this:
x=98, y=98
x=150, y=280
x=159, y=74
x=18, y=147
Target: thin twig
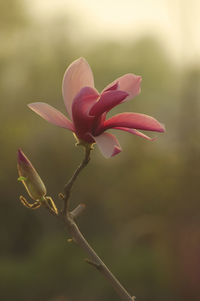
x=77, y=237
x=69, y=185
x=95, y=261
x=77, y=211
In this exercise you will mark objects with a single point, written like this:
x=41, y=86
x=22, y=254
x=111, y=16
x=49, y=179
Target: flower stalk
x=70, y=183
x=95, y=260
x=79, y=239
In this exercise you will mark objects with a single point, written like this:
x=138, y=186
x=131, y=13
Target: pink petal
x=107, y=101
x=135, y=121
x=83, y=121
x=108, y=144
x=77, y=76
x=135, y=132
x=51, y=115
x=112, y=87
x=129, y=83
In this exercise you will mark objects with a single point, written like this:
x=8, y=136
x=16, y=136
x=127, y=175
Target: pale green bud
x=30, y=178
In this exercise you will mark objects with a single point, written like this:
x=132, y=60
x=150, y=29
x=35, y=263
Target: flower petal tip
x=30, y=105
x=163, y=129
x=82, y=60
x=116, y=151
x=138, y=79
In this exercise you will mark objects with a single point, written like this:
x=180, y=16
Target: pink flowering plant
x=87, y=111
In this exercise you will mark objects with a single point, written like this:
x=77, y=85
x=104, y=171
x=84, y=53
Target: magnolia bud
x=30, y=178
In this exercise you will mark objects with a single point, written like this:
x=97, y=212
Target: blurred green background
x=142, y=207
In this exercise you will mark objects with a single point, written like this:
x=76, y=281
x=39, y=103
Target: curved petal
x=135, y=132
x=112, y=87
x=77, y=76
x=83, y=121
x=52, y=115
x=129, y=83
x=107, y=101
x=108, y=144
x=134, y=121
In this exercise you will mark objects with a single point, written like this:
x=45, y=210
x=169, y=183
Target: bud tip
x=21, y=156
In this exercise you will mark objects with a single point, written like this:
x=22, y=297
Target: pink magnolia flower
x=87, y=108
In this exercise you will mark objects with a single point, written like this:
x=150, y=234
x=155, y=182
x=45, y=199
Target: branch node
x=77, y=211
x=91, y=262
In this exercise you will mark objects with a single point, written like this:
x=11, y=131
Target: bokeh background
x=143, y=206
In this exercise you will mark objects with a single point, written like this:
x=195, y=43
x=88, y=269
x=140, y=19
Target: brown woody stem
x=76, y=236
x=80, y=240
x=94, y=259
x=69, y=185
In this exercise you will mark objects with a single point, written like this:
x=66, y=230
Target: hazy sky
x=176, y=22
